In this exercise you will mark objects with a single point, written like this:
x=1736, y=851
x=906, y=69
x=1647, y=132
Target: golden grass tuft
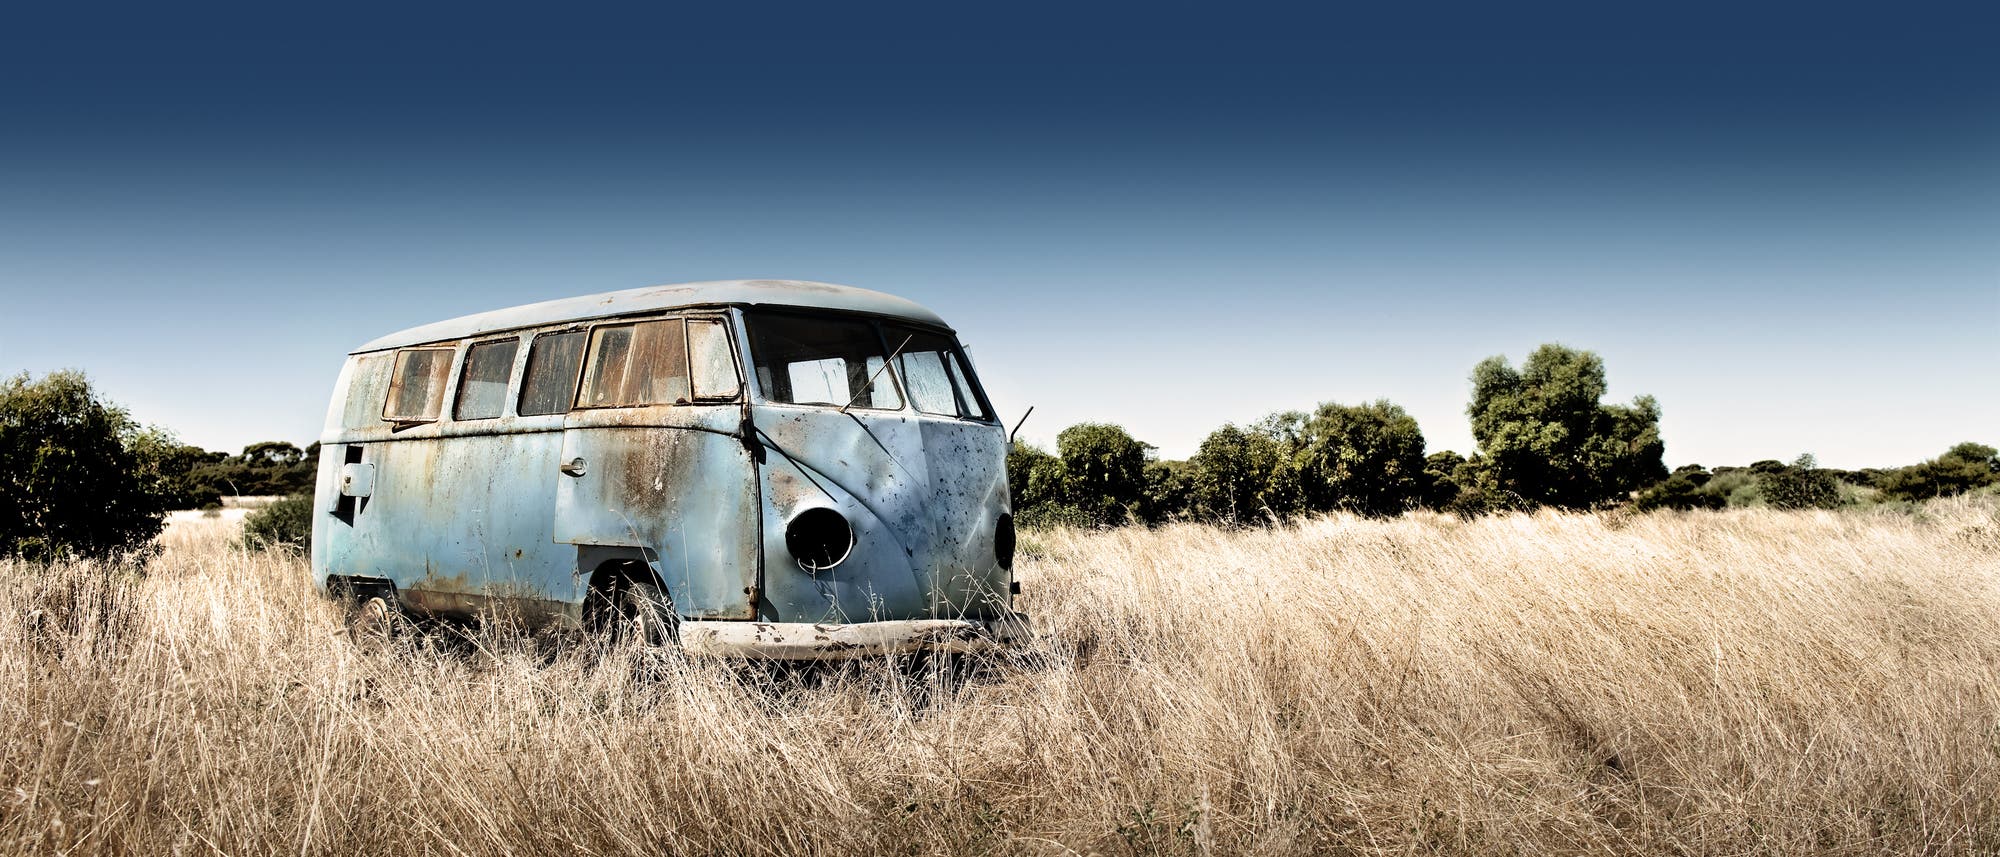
x=1714, y=683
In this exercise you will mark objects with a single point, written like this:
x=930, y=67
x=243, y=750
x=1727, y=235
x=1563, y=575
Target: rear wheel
x=373, y=621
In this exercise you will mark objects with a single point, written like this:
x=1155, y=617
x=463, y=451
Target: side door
x=651, y=461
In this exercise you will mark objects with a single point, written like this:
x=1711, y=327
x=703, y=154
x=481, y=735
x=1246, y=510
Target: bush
x=1962, y=468
x=1799, y=485
x=70, y=481
x=287, y=523
x=1681, y=491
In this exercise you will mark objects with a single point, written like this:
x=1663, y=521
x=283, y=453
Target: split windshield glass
x=834, y=361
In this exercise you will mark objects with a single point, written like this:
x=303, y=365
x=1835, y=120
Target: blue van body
x=805, y=470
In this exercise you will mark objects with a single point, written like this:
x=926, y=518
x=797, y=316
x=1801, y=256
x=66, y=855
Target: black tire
x=374, y=622
x=636, y=610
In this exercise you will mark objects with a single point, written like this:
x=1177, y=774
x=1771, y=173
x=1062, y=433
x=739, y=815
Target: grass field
x=1744, y=682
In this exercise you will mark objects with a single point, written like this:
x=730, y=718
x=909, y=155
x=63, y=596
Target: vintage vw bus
x=769, y=468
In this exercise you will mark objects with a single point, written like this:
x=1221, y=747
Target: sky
x=1783, y=222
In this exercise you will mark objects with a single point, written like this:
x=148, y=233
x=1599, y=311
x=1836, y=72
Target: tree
x=1035, y=482
x=70, y=483
x=174, y=467
x=1234, y=472
x=1103, y=472
x=1440, y=482
x=1367, y=459
x=1960, y=469
x=1549, y=441
x=1799, y=485
x=1169, y=491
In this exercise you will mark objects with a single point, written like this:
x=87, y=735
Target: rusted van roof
x=790, y=293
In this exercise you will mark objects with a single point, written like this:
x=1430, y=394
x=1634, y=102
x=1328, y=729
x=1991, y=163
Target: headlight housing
x=819, y=539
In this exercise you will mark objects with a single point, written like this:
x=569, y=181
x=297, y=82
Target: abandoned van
x=775, y=469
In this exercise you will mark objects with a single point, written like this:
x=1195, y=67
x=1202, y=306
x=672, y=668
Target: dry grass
x=1730, y=683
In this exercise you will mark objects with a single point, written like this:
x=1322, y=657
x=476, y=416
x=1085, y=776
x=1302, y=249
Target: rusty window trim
x=398, y=422
x=590, y=354
x=576, y=375
x=514, y=364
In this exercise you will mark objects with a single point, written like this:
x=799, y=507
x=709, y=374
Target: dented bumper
x=817, y=641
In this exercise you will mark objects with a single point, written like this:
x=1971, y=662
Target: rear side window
x=636, y=364
x=550, y=381
x=416, y=390
x=367, y=383
x=482, y=384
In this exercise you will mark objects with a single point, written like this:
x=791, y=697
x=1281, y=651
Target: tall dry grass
x=1729, y=683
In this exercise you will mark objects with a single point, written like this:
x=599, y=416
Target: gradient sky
x=1783, y=222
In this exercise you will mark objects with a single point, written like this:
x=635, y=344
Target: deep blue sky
x=1782, y=222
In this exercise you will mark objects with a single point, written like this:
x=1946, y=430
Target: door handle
x=574, y=467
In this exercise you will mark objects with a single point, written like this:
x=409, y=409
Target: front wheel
x=638, y=611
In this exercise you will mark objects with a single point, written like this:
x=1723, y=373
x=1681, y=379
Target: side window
x=482, y=384
x=636, y=364
x=550, y=381
x=712, y=360
x=416, y=390
x=366, y=386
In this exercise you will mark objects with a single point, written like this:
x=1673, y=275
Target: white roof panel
x=775, y=293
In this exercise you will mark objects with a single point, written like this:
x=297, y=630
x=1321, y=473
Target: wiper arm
x=878, y=372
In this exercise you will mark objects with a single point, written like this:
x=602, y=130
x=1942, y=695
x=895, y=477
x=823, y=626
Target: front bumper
x=795, y=641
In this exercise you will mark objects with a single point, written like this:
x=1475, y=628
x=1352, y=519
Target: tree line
x=1544, y=438
x=80, y=477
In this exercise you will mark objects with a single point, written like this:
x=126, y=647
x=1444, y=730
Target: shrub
x=1960, y=469
x=1799, y=485
x=1681, y=491
x=70, y=482
x=287, y=523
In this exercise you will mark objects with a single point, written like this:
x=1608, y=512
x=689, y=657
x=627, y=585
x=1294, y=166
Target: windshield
x=822, y=361
x=838, y=361
x=936, y=374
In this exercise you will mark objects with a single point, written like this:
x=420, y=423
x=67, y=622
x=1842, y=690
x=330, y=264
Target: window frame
x=507, y=391
x=396, y=386
x=575, y=376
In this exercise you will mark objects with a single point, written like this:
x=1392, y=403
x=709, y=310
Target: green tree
x=1960, y=469
x=1799, y=485
x=70, y=483
x=1103, y=472
x=1035, y=481
x=1440, y=482
x=1549, y=441
x=1234, y=473
x=173, y=468
x=1367, y=459
x=1169, y=491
